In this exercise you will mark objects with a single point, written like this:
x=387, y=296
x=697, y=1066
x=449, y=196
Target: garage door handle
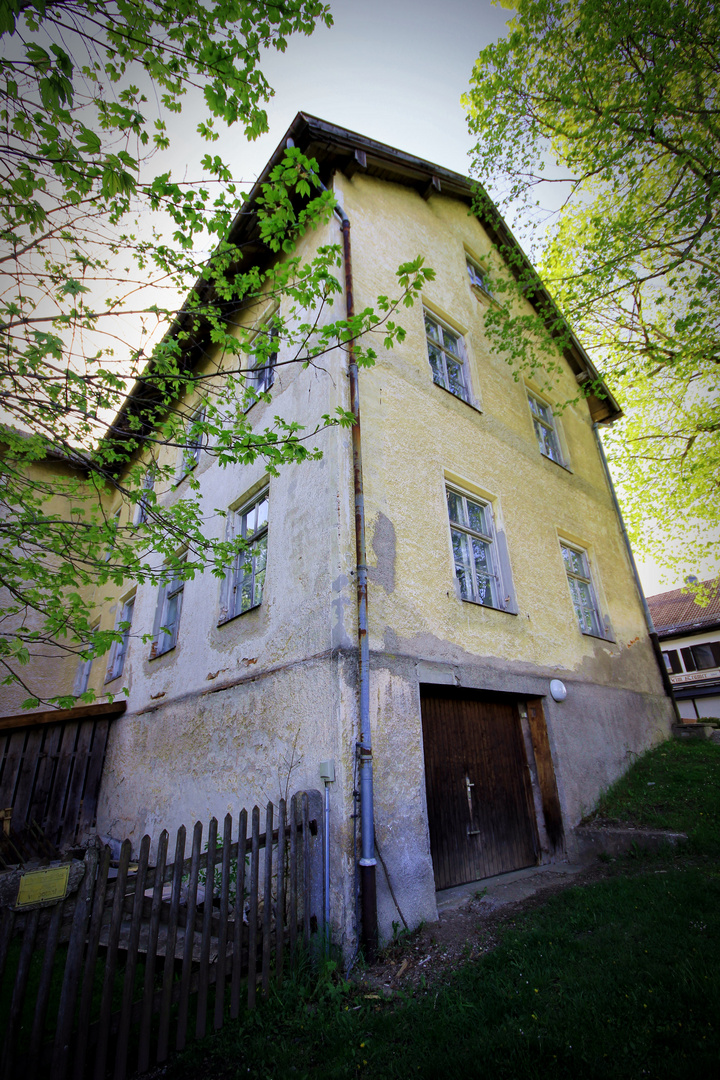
x=469, y=786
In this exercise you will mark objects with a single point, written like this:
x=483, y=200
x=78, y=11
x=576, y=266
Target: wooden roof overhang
x=107, y=710
x=338, y=149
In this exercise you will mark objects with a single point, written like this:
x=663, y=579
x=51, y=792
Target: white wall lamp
x=558, y=690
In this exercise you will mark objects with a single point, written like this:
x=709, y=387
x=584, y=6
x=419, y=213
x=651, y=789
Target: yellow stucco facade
x=211, y=724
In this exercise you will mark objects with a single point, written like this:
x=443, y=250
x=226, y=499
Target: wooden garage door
x=479, y=798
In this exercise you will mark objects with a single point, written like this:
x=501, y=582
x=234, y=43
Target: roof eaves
x=681, y=629
x=306, y=130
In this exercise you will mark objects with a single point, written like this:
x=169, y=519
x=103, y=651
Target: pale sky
x=393, y=70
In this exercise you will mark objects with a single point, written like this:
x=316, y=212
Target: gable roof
x=676, y=612
x=339, y=149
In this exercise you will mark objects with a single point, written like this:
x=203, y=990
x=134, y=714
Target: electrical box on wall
x=327, y=771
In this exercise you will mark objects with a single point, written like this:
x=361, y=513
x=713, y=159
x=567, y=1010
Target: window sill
x=157, y=656
x=560, y=464
x=470, y=404
x=185, y=475
x=597, y=637
x=231, y=618
x=488, y=607
x=482, y=294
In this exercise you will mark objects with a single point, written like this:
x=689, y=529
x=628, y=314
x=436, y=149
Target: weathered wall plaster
x=211, y=725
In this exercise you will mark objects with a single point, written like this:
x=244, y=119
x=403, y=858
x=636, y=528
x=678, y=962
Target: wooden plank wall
x=147, y=954
x=50, y=776
x=552, y=812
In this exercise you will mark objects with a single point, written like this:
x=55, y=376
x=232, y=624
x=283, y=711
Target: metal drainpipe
x=652, y=633
x=327, y=866
x=367, y=814
x=369, y=935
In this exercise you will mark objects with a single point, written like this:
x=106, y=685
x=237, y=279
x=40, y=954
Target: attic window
x=193, y=442
x=478, y=277
x=261, y=371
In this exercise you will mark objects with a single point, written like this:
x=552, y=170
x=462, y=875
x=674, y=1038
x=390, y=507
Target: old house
x=690, y=637
x=504, y=674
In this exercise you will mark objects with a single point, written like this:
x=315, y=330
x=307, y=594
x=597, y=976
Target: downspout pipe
x=367, y=812
x=652, y=632
x=368, y=862
x=326, y=910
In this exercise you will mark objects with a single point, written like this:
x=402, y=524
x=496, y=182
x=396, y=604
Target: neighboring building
x=497, y=565
x=689, y=635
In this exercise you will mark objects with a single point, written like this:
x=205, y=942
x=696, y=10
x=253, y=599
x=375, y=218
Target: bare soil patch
x=423, y=957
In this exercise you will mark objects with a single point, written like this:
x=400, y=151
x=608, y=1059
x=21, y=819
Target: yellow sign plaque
x=39, y=885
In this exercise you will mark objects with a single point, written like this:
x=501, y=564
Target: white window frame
x=165, y=630
x=477, y=275
x=142, y=503
x=445, y=354
x=260, y=377
x=585, y=604
x=486, y=590
x=191, y=451
x=547, y=429
x=114, y=523
x=118, y=651
x=82, y=675
x=249, y=568
x=681, y=652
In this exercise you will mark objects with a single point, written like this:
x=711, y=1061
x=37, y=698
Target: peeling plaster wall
x=416, y=437
x=240, y=713
x=211, y=725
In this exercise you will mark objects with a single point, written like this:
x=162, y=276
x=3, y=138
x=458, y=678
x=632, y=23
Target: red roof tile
x=677, y=608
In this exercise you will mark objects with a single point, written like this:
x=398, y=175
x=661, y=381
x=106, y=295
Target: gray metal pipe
x=327, y=865
x=367, y=862
x=652, y=633
x=367, y=811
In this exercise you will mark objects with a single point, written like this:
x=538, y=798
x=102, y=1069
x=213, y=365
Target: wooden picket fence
x=139, y=958
x=51, y=765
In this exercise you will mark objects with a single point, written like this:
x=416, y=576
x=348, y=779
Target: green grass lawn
x=616, y=979
x=675, y=786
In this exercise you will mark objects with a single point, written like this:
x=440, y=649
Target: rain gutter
x=652, y=632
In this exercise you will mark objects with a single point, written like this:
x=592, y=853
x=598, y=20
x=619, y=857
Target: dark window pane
x=450, y=341
x=476, y=515
x=705, y=656
x=688, y=659
x=456, y=381
x=458, y=544
x=436, y=364
x=455, y=507
x=431, y=328
x=672, y=661
x=574, y=561
x=463, y=582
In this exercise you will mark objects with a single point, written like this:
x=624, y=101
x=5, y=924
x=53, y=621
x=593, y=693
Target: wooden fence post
x=311, y=803
x=141, y=913
x=73, y=964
